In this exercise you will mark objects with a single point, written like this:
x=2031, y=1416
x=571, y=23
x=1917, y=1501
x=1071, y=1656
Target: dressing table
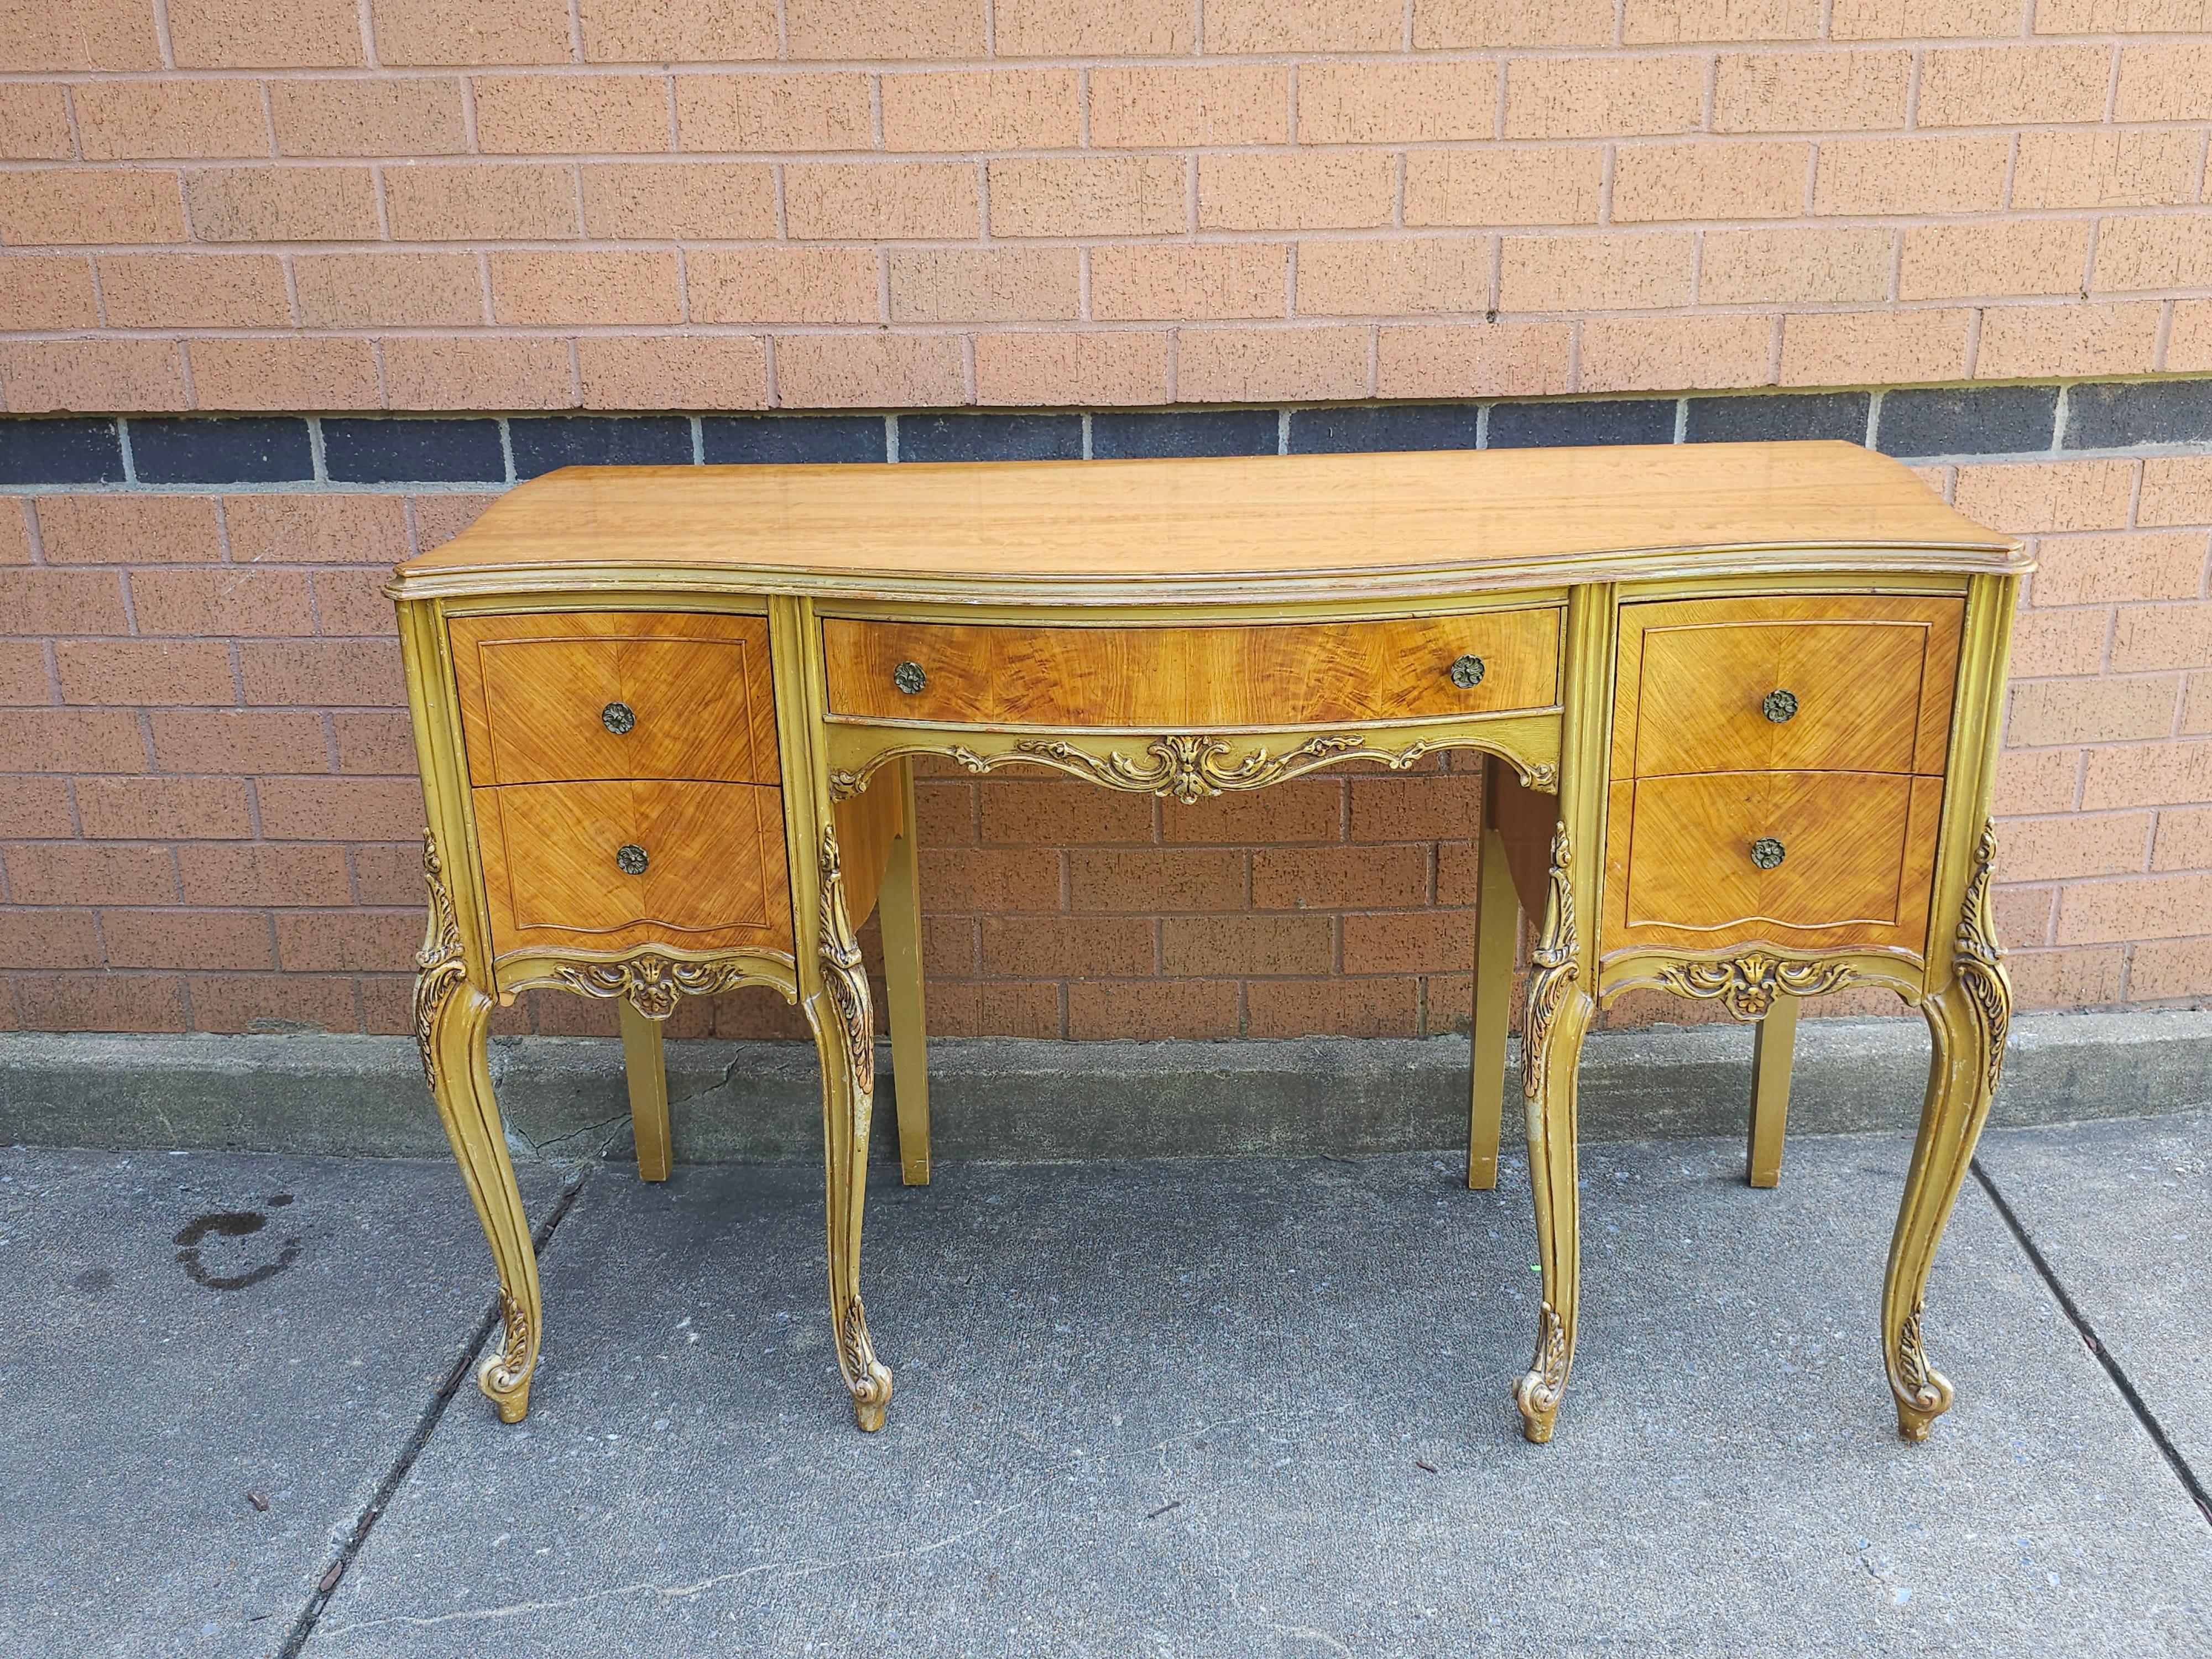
x=1739, y=703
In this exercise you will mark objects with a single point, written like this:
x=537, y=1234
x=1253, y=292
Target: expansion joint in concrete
x=2188, y=1476
x=356, y=1536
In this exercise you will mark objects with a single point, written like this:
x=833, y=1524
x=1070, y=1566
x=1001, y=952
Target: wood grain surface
x=1155, y=526
x=1208, y=680
x=1858, y=851
x=715, y=875
x=1871, y=675
x=534, y=686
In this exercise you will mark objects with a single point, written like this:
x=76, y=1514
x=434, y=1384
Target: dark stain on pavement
x=231, y=1223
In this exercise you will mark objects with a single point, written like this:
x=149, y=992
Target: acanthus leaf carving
x=1557, y=966
x=1190, y=766
x=1748, y=984
x=845, y=980
x=439, y=965
x=651, y=981
x=1541, y=1386
x=1979, y=963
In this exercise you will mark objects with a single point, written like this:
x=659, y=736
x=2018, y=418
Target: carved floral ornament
x=651, y=981
x=439, y=965
x=1746, y=985
x=1191, y=766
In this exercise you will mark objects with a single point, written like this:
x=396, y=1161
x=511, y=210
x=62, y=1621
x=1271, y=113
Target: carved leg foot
x=504, y=1377
x=1967, y=1022
x=844, y=1036
x=1551, y=1054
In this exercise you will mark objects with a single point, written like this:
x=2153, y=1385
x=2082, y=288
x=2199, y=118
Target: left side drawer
x=559, y=696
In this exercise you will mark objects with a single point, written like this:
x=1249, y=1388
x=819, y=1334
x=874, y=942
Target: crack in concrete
x=2098, y=1350
x=425, y=1427
x=802, y=1568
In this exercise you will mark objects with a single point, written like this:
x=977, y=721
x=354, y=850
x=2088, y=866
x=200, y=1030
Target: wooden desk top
x=1249, y=527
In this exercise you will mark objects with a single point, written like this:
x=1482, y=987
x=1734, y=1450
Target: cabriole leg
x=1497, y=929
x=453, y=1021
x=844, y=1036
x=1550, y=1053
x=645, y=1067
x=1967, y=1023
x=1770, y=1090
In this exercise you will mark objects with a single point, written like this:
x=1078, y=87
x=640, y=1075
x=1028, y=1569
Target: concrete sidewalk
x=1228, y=1408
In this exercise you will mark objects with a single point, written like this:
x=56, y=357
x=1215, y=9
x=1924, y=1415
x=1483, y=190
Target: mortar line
x=2095, y=1344
x=364, y=1524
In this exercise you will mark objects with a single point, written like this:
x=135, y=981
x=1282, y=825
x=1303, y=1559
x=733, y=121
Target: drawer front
x=1812, y=859
x=1842, y=683
x=557, y=697
x=1207, y=679
x=713, y=875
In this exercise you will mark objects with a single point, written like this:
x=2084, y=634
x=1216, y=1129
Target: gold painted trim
x=1977, y=964
x=846, y=981
x=1541, y=1387
x=1557, y=964
x=439, y=965
x=1745, y=979
x=651, y=982
x=1191, y=766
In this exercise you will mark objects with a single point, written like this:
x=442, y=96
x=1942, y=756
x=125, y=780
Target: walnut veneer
x=1739, y=704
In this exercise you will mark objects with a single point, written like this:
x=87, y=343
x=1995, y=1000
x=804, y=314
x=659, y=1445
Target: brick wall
x=1977, y=232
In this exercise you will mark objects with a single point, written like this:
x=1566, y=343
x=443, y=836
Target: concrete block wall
x=288, y=290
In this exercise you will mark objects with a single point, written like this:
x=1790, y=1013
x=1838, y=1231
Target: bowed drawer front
x=1194, y=679
x=1778, y=767
x=624, y=774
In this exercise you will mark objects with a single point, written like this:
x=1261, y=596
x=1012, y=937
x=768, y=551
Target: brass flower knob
x=909, y=678
x=1766, y=851
x=619, y=717
x=629, y=858
x=1466, y=672
x=1779, y=706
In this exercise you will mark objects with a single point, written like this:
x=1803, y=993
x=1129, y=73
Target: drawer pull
x=1779, y=706
x=619, y=717
x=1766, y=851
x=629, y=858
x=909, y=678
x=1466, y=673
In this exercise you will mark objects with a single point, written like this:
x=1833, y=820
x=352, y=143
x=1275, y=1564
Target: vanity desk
x=1740, y=704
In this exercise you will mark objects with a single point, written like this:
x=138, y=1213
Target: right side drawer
x=1830, y=682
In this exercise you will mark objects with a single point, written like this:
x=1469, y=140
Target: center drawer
x=559, y=696
x=1202, y=679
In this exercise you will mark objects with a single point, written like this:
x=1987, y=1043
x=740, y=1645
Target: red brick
x=323, y=673
x=24, y=681
x=1035, y=813
x=186, y=938
x=135, y=672
x=1333, y=1008
x=2046, y=712
x=1422, y=941
x=1156, y=879
x=309, y=373
x=1477, y=360
x=1094, y=367
x=2148, y=565
x=194, y=290
x=2149, y=907
x=1305, y=809
x=316, y=529
x=104, y=376
x=594, y=289
x=2059, y=641
x=87, y=34
x=382, y=745
x=183, y=118
x=2077, y=845
x=571, y=114
x=103, y=1002
x=2040, y=782
x=71, y=740
x=34, y=122
x=1154, y=1009
x=38, y=293
x=755, y=112
x=2170, y=969
x=163, y=809
x=62, y=602
x=35, y=807
x=273, y=1002
x=195, y=604
x=233, y=741
x=371, y=941
x=677, y=31
x=1339, y=877
x=490, y=32
x=386, y=1002
x=72, y=206
x=871, y=371
x=386, y=115
x=2066, y=979
x=353, y=602
x=1254, y=365
x=842, y=29
x=1068, y=948
x=2148, y=775
x=1447, y=808
x=129, y=529
x=2184, y=840
x=76, y=873
x=48, y=939
x=962, y=878
x=325, y=808
x=386, y=873
x=439, y=519
x=1247, y=945
x=259, y=874
x=1024, y=1008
